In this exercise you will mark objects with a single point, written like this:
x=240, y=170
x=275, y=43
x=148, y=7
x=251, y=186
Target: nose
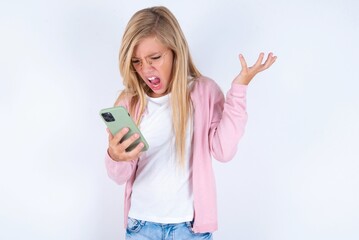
x=146, y=65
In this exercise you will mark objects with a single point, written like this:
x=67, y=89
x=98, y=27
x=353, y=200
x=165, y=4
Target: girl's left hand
x=248, y=73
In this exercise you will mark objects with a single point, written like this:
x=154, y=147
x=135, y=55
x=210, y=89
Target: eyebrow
x=149, y=55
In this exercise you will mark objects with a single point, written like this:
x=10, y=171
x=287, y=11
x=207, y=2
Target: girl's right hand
x=117, y=150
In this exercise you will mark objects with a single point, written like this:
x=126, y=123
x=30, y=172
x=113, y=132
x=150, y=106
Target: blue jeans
x=143, y=230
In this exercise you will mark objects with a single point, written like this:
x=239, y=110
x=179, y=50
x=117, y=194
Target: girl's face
x=153, y=62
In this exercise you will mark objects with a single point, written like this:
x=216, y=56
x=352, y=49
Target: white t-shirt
x=162, y=191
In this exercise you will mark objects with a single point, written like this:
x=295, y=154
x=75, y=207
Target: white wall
x=296, y=172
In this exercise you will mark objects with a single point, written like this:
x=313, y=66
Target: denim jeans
x=143, y=230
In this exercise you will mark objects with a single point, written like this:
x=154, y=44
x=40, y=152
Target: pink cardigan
x=218, y=126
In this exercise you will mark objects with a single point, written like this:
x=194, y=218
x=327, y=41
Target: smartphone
x=117, y=118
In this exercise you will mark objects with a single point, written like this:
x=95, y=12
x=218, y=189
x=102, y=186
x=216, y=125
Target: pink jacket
x=218, y=126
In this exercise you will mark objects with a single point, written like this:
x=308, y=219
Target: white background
x=296, y=172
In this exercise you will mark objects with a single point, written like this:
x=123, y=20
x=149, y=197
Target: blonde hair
x=161, y=23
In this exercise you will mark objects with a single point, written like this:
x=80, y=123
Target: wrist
x=243, y=79
x=111, y=155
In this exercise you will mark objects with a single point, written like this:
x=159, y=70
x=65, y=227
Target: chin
x=159, y=93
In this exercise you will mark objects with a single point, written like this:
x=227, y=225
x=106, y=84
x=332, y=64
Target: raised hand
x=248, y=73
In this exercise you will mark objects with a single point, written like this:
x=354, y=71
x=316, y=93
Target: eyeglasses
x=155, y=60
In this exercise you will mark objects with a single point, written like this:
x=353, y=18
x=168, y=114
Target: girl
x=170, y=188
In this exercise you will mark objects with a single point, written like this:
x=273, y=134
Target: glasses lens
x=157, y=60
x=154, y=61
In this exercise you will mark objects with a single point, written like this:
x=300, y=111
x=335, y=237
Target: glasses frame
x=150, y=60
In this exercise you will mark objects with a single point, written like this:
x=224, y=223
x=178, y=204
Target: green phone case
x=117, y=118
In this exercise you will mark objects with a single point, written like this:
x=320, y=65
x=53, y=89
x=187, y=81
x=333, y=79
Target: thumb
x=243, y=62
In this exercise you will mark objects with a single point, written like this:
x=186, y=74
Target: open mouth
x=155, y=83
x=154, y=80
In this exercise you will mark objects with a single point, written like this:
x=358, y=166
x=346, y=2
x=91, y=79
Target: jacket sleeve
x=228, y=120
x=121, y=171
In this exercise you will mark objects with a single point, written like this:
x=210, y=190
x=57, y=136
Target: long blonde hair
x=161, y=23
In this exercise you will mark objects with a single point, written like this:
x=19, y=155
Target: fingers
x=133, y=154
x=243, y=62
x=270, y=60
x=126, y=143
x=122, y=144
x=258, y=66
x=117, y=146
x=112, y=141
x=118, y=136
x=259, y=60
x=137, y=150
x=248, y=73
